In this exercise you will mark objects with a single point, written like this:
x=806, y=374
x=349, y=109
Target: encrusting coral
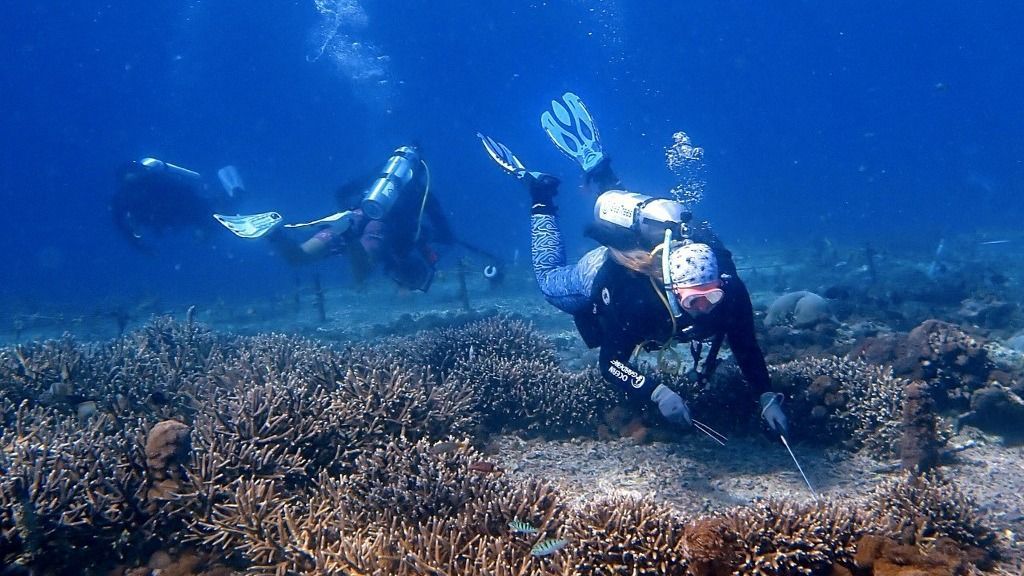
x=919, y=444
x=953, y=362
x=800, y=309
x=278, y=455
x=168, y=447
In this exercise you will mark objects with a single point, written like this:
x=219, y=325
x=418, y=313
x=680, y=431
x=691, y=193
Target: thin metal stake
x=793, y=456
x=714, y=435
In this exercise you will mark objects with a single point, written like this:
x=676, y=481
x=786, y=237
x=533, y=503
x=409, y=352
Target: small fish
x=86, y=410
x=549, y=546
x=485, y=467
x=520, y=527
x=444, y=448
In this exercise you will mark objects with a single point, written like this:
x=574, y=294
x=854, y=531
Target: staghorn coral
x=47, y=370
x=500, y=336
x=152, y=372
x=779, y=537
x=71, y=492
x=311, y=460
x=628, y=535
x=920, y=510
x=534, y=395
x=848, y=400
x=409, y=509
x=511, y=372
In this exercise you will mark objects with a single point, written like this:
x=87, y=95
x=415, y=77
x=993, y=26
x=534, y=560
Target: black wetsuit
x=149, y=202
x=628, y=313
x=618, y=309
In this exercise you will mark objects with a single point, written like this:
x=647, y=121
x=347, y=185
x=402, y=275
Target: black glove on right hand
x=543, y=188
x=671, y=405
x=602, y=176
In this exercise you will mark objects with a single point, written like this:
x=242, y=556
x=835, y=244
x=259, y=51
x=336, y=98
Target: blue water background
x=878, y=121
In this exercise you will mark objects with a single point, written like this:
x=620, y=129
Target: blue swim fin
x=501, y=155
x=572, y=130
x=250, y=226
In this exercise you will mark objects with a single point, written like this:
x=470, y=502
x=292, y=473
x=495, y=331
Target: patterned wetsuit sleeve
x=567, y=287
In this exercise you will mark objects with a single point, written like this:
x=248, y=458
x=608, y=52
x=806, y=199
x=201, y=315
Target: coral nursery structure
x=209, y=453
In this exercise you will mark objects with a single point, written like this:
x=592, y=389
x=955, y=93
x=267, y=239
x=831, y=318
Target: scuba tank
x=397, y=172
x=154, y=165
x=627, y=219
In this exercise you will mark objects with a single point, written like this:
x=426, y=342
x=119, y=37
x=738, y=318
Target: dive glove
x=543, y=188
x=602, y=176
x=671, y=405
x=771, y=411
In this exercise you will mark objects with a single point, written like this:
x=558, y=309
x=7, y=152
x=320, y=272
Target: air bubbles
x=682, y=151
x=686, y=161
x=339, y=39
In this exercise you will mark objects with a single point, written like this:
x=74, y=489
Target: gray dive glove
x=671, y=405
x=771, y=411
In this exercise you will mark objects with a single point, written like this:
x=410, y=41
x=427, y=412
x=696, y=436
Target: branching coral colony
x=277, y=455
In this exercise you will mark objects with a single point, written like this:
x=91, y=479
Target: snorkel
x=666, y=272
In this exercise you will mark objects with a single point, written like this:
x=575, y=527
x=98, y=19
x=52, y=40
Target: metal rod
x=709, y=431
x=793, y=456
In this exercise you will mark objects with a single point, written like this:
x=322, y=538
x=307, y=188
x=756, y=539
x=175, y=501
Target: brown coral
x=919, y=443
x=168, y=445
x=774, y=537
x=70, y=492
x=886, y=557
x=921, y=510
x=953, y=362
x=848, y=400
x=627, y=535
x=311, y=460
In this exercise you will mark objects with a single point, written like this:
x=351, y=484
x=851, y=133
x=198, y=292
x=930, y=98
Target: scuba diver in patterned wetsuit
x=655, y=281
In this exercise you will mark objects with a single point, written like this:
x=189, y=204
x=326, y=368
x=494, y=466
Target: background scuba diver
x=389, y=218
x=154, y=197
x=654, y=282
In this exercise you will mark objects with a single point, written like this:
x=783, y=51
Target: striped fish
x=520, y=527
x=549, y=546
